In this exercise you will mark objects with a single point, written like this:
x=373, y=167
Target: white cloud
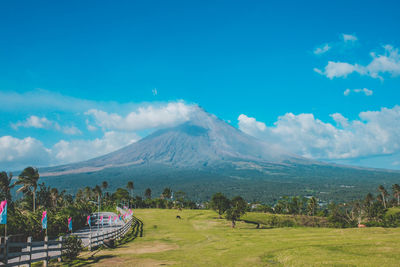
x=322, y=49
x=349, y=38
x=388, y=62
x=338, y=69
x=18, y=153
x=71, y=130
x=144, y=118
x=78, y=150
x=365, y=91
x=374, y=133
x=44, y=123
x=250, y=124
x=33, y=121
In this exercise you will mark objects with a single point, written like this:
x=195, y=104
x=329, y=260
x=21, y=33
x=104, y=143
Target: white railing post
x=90, y=242
x=60, y=239
x=46, y=247
x=29, y=249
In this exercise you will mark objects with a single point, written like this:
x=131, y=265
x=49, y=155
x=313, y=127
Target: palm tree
x=312, y=205
x=130, y=186
x=167, y=193
x=104, y=185
x=5, y=185
x=97, y=191
x=147, y=193
x=87, y=192
x=384, y=193
x=396, y=193
x=54, y=196
x=29, y=180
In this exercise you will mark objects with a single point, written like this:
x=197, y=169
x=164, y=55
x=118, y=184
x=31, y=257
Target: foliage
x=72, y=247
x=237, y=208
x=220, y=203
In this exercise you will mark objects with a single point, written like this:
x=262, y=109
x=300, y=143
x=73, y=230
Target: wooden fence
x=24, y=253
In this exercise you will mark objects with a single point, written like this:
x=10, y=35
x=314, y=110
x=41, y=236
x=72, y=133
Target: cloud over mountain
x=374, y=133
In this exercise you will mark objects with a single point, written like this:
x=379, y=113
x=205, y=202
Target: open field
x=200, y=239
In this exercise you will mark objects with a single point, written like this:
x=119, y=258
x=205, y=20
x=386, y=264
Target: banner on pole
x=70, y=224
x=3, y=212
x=44, y=220
x=88, y=220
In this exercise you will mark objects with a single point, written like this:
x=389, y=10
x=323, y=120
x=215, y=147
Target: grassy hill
x=200, y=239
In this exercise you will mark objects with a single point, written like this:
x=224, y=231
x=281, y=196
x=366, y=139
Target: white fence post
x=29, y=249
x=46, y=247
x=60, y=245
x=90, y=242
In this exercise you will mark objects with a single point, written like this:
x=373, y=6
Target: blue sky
x=252, y=63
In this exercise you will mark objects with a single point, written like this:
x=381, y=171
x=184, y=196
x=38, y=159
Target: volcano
x=205, y=154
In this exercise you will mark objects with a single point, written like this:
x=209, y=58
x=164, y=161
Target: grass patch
x=199, y=239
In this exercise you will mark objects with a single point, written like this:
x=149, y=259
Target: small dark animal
x=178, y=217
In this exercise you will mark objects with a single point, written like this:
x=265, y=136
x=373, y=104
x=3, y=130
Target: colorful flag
x=101, y=219
x=119, y=217
x=88, y=221
x=115, y=218
x=70, y=224
x=44, y=220
x=109, y=220
x=3, y=212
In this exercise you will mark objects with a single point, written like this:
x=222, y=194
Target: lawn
x=201, y=239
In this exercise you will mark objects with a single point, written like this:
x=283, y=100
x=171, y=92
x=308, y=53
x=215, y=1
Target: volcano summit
x=205, y=154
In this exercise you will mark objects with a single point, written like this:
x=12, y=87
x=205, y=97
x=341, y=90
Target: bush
x=72, y=247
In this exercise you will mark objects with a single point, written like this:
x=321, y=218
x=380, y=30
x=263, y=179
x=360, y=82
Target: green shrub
x=72, y=247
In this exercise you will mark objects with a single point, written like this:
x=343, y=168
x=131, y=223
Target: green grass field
x=201, y=239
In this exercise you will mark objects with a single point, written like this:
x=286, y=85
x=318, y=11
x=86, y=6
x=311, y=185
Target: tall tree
x=97, y=191
x=238, y=208
x=29, y=180
x=147, y=193
x=312, y=205
x=396, y=193
x=6, y=185
x=220, y=203
x=167, y=193
x=104, y=185
x=130, y=187
x=54, y=196
x=384, y=193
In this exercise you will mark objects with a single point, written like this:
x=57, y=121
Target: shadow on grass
x=87, y=261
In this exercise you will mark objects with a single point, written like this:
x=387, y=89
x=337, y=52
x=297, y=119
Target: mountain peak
x=202, y=140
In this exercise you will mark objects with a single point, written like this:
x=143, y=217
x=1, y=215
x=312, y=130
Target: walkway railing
x=25, y=253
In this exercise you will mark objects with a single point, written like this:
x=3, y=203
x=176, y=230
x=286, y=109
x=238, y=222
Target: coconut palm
x=54, y=196
x=6, y=185
x=130, y=186
x=97, y=191
x=29, y=180
x=147, y=193
x=384, y=193
x=312, y=205
x=396, y=193
x=104, y=185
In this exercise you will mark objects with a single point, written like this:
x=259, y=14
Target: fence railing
x=19, y=253
x=30, y=251
x=97, y=239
